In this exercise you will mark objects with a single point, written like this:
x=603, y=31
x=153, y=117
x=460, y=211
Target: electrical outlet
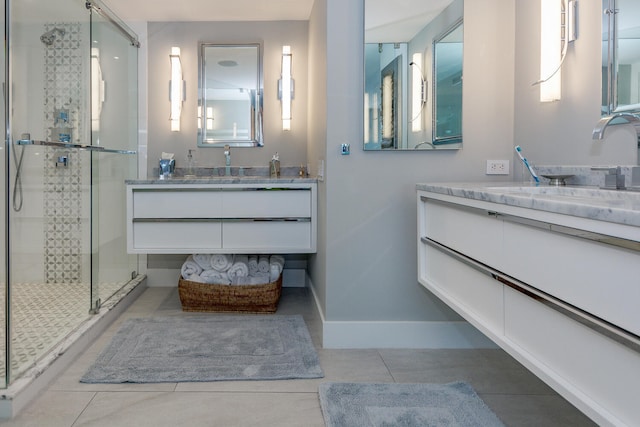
x=320, y=170
x=497, y=167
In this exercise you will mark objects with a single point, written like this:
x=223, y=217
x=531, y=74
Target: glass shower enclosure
x=70, y=117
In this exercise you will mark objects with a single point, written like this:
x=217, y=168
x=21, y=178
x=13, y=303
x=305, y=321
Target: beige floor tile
x=202, y=409
x=52, y=409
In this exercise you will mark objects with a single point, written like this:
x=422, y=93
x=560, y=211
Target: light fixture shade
x=417, y=93
x=550, y=50
x=286, y=89
x=176, y=89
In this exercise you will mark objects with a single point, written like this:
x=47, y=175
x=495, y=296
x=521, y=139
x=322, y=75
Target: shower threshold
x=22, y=390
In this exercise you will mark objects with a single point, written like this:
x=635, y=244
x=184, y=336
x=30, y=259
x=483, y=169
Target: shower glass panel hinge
x=96, y=308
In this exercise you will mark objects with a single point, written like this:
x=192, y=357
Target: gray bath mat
x=207, y=348
x=377, y=405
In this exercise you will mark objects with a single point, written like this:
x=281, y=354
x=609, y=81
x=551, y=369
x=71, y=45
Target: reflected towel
x=203, y=260
x=214, y=277
x=240, y=267
x=190, y=267
x=276, y=265
x=263, y=263
x=221, y=262
x=253, y=265
x=260, y=279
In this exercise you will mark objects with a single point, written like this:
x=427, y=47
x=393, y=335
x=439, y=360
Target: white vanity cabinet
x=560, y=294
x=181, y=218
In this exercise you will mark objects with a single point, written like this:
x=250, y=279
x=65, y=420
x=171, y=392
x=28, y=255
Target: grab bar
x=73, y=146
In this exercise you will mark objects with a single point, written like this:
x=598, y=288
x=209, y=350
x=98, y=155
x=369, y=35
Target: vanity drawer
x=471, y=231
x=176, y=237
x=598, y=278
x=266, y=203
x=274, y=236
x=178, y=203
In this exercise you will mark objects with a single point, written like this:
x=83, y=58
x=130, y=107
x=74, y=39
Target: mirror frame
x=256, y=138
x=438, y=140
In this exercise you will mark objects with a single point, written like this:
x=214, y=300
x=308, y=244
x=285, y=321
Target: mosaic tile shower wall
x=63, y=193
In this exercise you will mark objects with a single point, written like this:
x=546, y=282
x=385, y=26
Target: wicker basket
x=196, y=296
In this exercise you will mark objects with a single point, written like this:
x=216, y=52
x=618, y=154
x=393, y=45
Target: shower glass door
x=49, y=214
x=3, y=215
x=72, y=133
x=114, y=68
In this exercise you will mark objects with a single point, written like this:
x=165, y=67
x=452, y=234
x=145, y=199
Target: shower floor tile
x=42, y=314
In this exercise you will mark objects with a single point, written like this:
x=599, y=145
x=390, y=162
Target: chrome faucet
x=626, y=118
x=227, y=160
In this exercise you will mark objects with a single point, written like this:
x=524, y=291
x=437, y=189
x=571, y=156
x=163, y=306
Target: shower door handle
x=26, y=141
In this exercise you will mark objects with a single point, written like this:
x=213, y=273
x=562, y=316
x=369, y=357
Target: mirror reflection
x=230, y=95
x=447, y=88
x=620, y=56
x=413, y=75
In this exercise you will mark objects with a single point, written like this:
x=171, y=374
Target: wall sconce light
x=286, y=88
x=177, y=89
x=419, y=92
x=558, y=28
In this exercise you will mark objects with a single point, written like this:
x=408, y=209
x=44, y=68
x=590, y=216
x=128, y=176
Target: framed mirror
x=406, y=106
x=620, y=56
x=230, y=95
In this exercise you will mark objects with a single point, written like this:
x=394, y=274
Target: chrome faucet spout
x=616, y=119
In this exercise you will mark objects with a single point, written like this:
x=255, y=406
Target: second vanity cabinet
x=176, y=218
x=558, y=293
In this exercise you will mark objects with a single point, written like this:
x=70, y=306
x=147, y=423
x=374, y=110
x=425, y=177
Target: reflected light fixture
x=97, y=89
x=419, y=92
x=558, y=28
x=286, y=87
x=176, y=89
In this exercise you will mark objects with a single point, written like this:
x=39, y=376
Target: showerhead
x=49, y=37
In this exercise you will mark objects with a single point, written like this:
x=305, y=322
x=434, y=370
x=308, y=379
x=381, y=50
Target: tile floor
x=515, y=395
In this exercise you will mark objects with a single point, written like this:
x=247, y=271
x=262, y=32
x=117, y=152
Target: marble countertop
x=616, y=206
x=223, y=180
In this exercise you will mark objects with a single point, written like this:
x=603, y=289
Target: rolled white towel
x=276, y=265
x=240, y=267
x=221, y=262
x=190, y=267
x=214, y=277
x=195, y=278
x=259, y=279
x=253, y=265
x=263, y=263
x=203, y=260
x=277, y=259
x=275, y=273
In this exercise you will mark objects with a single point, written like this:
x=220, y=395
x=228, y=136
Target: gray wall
x=366, y=267
x=291, y=145
x=560, y=132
